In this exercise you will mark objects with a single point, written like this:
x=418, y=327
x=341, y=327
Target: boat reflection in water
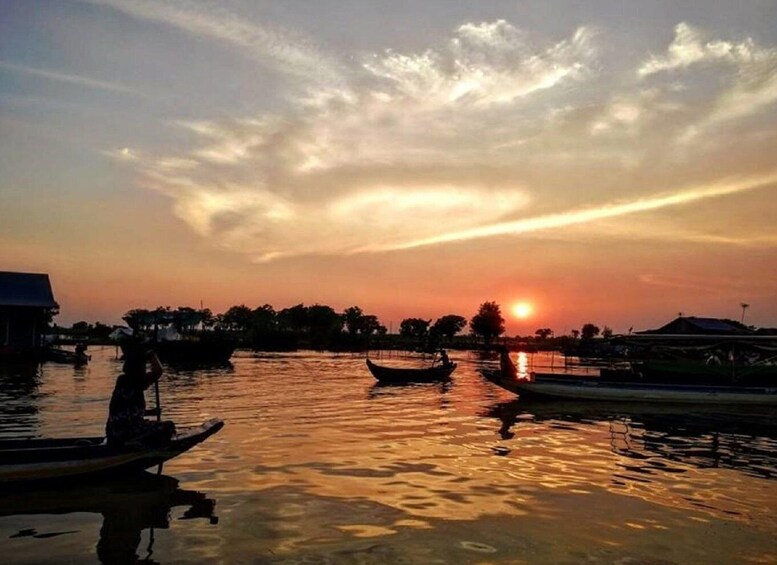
x=663, y=438
x=128, y=506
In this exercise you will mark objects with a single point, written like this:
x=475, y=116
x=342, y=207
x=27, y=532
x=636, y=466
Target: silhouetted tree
x=237, y=318
x=263, y=319
x=575, y=334
x=370, y=326
x=208, y=319
x=354, y=319
x=543, y=333
x=185, y=319
x=607, y=332
x=323, y=319
x=414, y=328
x=100, y=330
x=294, y=319
x=325, y=324
x=449, y=325
x=589, y=331
x=488, y=322
x=81, y=327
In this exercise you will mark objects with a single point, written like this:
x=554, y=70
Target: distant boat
x=202, y=350
x=59, y=459
x=57, y=355
x=175, y=337
x=189, y=351
x=408, y=374
x=623, y=386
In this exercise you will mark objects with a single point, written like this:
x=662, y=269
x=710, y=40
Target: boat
x=187, y=351
x=174, y=336
x=57, y=355
x=626, y=386
x=29, y=460
x=411, y=375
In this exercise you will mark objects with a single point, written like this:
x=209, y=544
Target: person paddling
x=444, y=360
x=126, y=414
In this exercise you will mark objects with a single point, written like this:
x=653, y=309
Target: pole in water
x=158, y=403
x=158, y=419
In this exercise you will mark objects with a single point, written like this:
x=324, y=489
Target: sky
x=608, y=162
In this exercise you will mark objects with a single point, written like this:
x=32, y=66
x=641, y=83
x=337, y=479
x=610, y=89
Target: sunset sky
x=612, y=162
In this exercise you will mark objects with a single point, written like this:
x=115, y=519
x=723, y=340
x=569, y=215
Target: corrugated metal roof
x=26, y=289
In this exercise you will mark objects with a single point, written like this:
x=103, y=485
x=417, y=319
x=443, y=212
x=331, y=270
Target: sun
x=522, y=310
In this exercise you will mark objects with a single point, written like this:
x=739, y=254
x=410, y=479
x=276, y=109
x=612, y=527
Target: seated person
x=126, y=415
x=444, y=360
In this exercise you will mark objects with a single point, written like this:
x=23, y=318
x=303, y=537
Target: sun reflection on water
x=523, y=365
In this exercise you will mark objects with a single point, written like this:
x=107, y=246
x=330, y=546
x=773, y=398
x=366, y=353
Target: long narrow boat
x=410, y=375
x=195, y=352
x=59, y=459
x=616, y=387
x=57, y=355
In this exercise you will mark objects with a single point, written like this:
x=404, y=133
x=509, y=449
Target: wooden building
x=26, y=305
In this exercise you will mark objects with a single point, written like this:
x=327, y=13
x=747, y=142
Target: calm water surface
x=318, y=464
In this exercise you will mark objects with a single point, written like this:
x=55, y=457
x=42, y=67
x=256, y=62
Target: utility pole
x=744, y=307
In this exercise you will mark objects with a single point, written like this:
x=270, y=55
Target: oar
x=158, y=419
x=158, y=402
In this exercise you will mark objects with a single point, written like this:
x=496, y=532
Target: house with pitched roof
x=691, y=325
x=26, y=305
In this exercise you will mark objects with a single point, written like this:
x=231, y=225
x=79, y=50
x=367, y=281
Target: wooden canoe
x=410, y=375
x=73, y=458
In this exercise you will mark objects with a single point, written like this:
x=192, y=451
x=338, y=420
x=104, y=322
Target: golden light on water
x=522, y=310
x=523, y=365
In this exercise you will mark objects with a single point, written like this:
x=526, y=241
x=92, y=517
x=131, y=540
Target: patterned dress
x=126, y=415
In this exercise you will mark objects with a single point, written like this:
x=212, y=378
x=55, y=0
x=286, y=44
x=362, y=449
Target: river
x=318, y=464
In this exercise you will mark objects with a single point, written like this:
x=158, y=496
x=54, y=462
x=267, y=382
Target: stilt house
x=26, y=304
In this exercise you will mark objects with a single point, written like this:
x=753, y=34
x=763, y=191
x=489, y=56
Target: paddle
x=158, y=403
x=158, y=419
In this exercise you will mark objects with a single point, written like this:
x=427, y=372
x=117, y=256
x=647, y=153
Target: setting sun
x=522, y=310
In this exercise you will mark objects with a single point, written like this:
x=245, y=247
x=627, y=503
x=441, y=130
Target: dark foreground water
x=318, y=464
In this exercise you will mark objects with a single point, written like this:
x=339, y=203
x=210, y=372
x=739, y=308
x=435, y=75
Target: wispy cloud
x=588, y=215
x=491, y=133
x=70, y=79
x=486, y=63
x=287, y=51
x=751, y=80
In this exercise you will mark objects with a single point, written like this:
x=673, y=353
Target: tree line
x=319, y=326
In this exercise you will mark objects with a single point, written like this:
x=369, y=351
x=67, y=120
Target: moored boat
x=189, y=351
x=71, y=458
x=410, y=374
x=57, y=355
x=623, y=387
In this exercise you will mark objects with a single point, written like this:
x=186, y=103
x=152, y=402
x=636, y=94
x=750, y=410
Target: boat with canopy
x=745, y=373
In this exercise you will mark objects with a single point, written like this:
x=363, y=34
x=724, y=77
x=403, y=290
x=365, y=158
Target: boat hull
x=185, y=352
x=596, y=388
x=64, y=356
x=592, y=388
x=407, y=375
x=53, y=460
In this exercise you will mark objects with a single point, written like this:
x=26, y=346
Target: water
x=318, y=464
